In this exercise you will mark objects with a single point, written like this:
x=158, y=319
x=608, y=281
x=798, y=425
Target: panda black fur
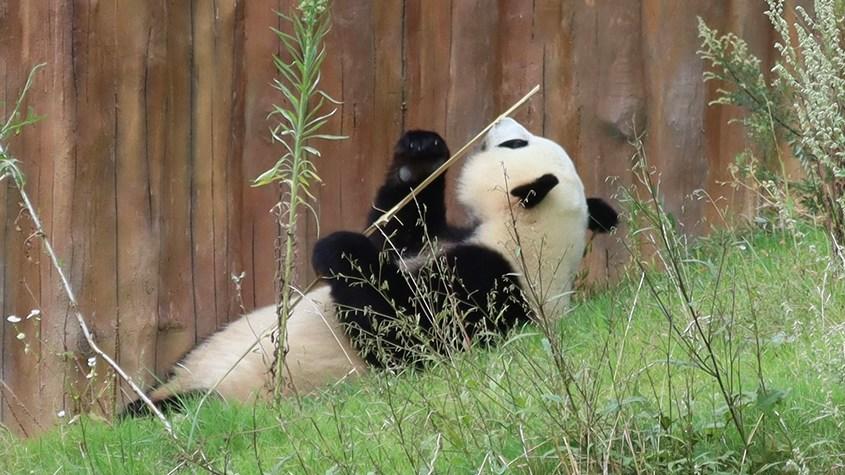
x=416, y=155
x=319, y=352
x=532, y=215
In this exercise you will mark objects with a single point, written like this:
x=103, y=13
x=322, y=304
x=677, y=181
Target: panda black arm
x=532, y=194
x=416, y=155
x=603, y=217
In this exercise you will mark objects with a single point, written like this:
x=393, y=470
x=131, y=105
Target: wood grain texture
x=156, y=123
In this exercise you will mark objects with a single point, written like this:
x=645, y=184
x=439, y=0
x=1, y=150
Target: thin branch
x=74, y=307
x=27, y=86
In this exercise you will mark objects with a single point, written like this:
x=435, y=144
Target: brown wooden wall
x=155, y=122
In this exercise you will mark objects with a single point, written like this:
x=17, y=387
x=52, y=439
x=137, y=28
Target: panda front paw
x=345, y=253
x=417, y=154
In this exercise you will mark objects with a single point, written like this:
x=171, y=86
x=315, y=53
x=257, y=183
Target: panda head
x=529, y=204
x=518, y=175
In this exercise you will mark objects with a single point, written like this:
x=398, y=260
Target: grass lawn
x=614, y=388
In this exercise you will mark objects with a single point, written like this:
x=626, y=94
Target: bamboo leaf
x=329, y=137
x=311, y=150
x=329, y=98
x=266, y=178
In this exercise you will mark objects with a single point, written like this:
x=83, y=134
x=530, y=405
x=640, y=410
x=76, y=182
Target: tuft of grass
x=650, y=409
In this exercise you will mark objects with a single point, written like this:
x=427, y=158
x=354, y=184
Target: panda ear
x=531, y=194
x=603, y=217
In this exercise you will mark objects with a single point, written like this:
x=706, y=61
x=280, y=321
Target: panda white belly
x=319, y=354
x=545, y=256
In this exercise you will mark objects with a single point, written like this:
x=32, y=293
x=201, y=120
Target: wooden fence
x=155, y=123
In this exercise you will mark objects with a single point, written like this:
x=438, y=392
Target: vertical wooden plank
x=59, y=331
x=213, y=23
x=353, y=24
x=520, y=61
x=9, y=35
x=232, y=255
x=428, y=50
x=553, y=26
x=36, y=378
x=137, y=230
x=612, y=94
x=474, y=76
x=177, y=317
x=226, y=30
x=258, y=227
x=157, y=155
x=386, y=124
x=428, y=66
x=24, y=286
x=726, y=140
x=204, y=155
x=677, y=101
x=94, y=225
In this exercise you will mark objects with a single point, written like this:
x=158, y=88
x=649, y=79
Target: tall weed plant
x=802, y=102
x=297, y=124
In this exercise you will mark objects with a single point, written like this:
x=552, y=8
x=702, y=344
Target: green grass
x=637, y=404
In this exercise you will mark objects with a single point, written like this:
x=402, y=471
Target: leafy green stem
x=299, y=122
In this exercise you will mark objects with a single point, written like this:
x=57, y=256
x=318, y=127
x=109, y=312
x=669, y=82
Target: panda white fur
x=518, y=181
x=318, y=353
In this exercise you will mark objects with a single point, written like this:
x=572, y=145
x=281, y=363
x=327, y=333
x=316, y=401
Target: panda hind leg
x=176, y=403
x=357, y=271
x=344, y=253
x=416, y=155
x=367, y=293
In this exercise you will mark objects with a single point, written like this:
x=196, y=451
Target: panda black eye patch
x=531, y=194
x=514, y=143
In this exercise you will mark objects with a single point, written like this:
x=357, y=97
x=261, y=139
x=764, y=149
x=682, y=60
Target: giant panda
x=318, y=352
x=517, y=265
x=517, y=178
